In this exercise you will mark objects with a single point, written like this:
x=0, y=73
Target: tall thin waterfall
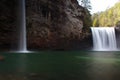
x=104, y=38
x=22, y=19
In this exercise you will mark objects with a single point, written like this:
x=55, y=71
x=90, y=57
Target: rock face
x=117, y=32
x=54, y=24
x=51, y=24
x=7, y=23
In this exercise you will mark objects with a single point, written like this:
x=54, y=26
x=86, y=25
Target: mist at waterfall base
x=104, y=39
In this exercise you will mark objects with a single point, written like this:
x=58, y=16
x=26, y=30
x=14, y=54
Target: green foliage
x=87, y=22
x=95, y=22
x=118, y=24
x=107, y=18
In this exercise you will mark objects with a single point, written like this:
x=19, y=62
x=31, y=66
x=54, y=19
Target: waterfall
x=22, y=25
x=104, y=38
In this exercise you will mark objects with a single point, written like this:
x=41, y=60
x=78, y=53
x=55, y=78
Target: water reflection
x=102, y=66
x=21, y=62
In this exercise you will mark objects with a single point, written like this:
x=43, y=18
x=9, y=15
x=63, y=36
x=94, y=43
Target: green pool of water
x=60, y=65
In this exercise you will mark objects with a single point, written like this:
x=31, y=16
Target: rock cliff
x=54, y=24
x=51, y=24
x=7, y=23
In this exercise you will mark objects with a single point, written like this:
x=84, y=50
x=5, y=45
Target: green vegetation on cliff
x=87, y=21
x=110, y=17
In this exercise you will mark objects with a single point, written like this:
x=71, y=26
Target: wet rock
x=117, y=32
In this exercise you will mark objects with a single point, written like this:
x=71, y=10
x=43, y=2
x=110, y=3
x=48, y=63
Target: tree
x=109, y=17
x=85, y=3
x=95, y=22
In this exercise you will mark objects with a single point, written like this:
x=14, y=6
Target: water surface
x=61, y=65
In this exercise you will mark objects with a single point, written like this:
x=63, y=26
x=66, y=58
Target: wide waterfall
x=104, y=38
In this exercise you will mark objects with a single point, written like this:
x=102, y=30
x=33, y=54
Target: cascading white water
x=104, y=38
x=22, y=17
